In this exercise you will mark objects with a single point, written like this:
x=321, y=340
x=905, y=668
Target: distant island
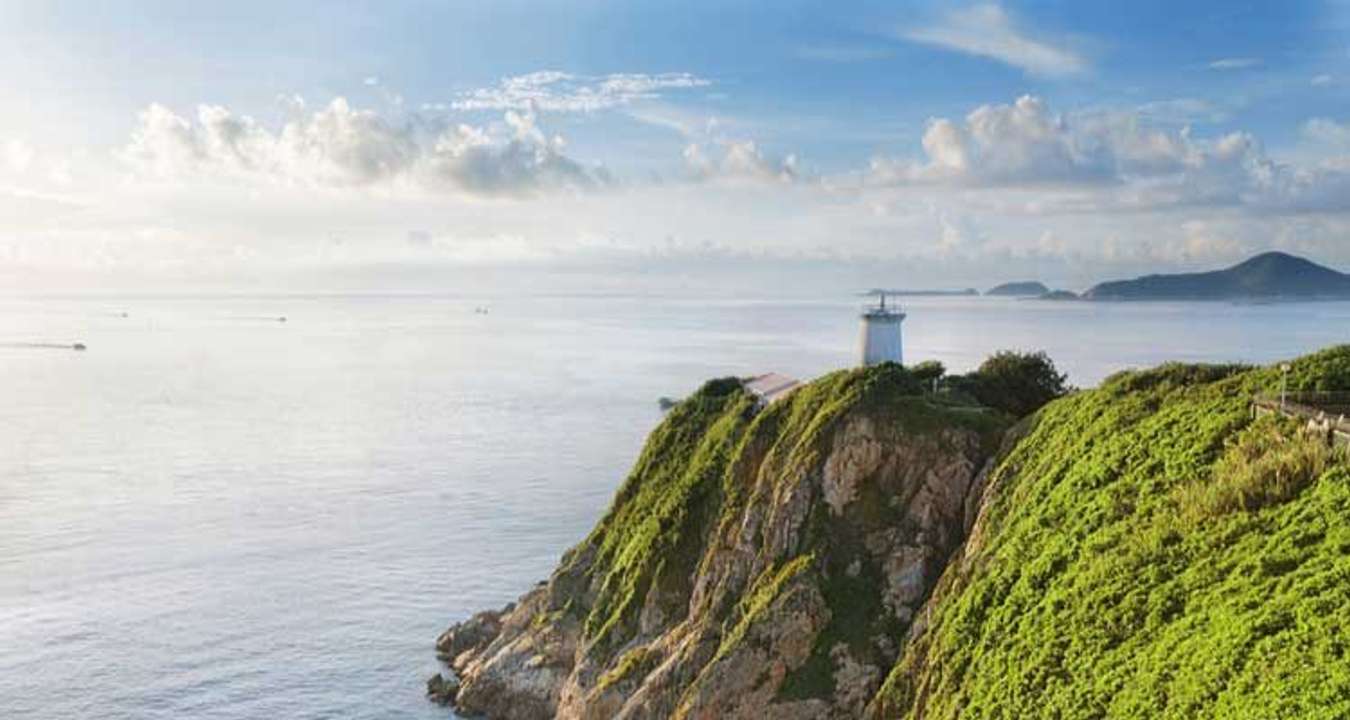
x=933, y=292
x=1025, y=288
x=1268, y=276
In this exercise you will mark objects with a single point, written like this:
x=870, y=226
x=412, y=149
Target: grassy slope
x=1111, y=580
x=654, y=532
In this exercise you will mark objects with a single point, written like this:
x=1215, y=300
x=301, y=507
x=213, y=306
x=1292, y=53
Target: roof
x=771, y=386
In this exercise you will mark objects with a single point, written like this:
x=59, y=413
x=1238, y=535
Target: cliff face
x=753, y=564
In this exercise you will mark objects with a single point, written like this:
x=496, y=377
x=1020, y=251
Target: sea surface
x=212, y=513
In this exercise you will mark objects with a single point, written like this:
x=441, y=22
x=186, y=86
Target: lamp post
x=1284, y=384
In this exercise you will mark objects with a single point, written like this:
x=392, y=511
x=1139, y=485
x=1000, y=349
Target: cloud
x=988, y=31
x=1235, y=63
x=342, y=146
x=524, y=162
x=1322, y=80
x=739, y=160
x=554, y=91
x=1113, y=162
x=1021, y=143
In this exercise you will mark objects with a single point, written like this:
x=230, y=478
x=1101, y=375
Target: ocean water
x=210, y=513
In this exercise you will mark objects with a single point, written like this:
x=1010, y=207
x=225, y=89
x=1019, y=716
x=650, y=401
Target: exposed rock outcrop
x=757, y=563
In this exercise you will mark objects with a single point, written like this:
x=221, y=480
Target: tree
x=928, y=371
x=1017, y=383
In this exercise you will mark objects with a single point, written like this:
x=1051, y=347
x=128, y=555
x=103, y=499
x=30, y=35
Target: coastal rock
x=474, y=633
x=758, y=562
x=442, y=690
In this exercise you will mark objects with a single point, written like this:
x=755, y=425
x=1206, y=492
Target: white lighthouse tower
x=880, y=340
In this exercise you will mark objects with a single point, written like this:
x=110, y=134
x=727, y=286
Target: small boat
x=77, y=346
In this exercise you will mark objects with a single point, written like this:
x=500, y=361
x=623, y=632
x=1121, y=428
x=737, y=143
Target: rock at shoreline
x=442, y=690
x=472, y=634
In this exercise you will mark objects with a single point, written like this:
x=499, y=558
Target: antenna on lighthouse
x=880, y=340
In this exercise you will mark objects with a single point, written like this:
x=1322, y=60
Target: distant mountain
x=1027, y=288
x=1272, y=275
x=1059, y=295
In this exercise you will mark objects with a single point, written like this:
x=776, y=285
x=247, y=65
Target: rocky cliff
x=756, y=562
x=1144, y=549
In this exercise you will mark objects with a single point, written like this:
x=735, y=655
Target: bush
x=888, y=380
x=1017, y=383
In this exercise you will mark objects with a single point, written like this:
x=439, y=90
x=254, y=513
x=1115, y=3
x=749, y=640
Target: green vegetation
x=1150, y=549
x=1016, y=383
x=656, y=529
x=1271, y=462
x=1151, y=552
x=768, y=586
x=928, y=371
x=632, y=665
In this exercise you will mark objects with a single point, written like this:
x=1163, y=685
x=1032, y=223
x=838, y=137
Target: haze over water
x=213, y=514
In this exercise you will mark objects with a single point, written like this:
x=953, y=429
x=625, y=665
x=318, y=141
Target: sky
x=743, y=147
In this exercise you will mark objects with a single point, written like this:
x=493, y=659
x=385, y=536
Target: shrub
x=889, y=380
x=1017, y=383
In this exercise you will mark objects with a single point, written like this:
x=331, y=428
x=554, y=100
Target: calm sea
x=211, y=513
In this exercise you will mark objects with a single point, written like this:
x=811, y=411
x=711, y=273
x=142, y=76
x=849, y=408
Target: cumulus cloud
x=1021, y=143
x=342, y=146
x=1118, y=159
x=525, y=161
x=989, y=31
x=739, y=160
x=1235, y=63
x=554, y=91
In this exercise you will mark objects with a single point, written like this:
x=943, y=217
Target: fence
x=1327, y=412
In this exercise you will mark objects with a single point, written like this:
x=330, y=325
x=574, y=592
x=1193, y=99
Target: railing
x=1331, y=403
x=1327, y=411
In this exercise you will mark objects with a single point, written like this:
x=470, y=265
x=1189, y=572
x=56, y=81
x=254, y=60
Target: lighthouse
x=880, y=339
